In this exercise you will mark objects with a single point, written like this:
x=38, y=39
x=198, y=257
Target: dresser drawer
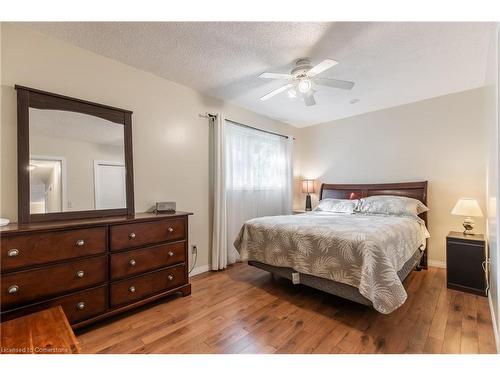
x=37, y=248
x=133, y=262
x=126, y=291
x=77, y=306
x=133, y=235
x=26, y=286
x=83, y=305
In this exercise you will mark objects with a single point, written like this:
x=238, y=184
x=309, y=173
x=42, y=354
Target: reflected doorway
x=47, y=184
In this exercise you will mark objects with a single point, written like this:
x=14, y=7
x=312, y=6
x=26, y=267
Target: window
x=256, y=160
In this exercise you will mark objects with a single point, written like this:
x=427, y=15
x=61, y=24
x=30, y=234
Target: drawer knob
x=132, y=262
x=170, y=229
x=80, y=305
x=80, y=243
x=13, y=253
x=131, y=289
x=170, y=277
x=13, y=289
x=131, y=236
x=80, y=274
x=170, y=253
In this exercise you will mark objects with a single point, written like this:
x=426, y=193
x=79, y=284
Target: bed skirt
x=333, y=287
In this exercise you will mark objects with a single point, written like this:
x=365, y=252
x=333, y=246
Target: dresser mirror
x=74, y=158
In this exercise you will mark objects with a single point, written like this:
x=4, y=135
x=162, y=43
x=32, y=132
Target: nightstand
x=465, y=259
x=296, y=212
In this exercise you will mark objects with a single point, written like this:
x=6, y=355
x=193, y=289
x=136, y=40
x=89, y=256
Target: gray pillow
x=391, y=205
x=347, y=206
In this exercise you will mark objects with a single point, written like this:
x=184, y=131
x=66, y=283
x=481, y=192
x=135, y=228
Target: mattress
x=362, y=251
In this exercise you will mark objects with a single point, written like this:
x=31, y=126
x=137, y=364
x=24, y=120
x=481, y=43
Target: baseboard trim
x=200, y=269
x=437, y=263
x=494, y=322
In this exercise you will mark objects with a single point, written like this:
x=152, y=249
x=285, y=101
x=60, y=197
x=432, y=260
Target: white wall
x=79, y=156
x=170, y=140
x=441, y=140
x=493, y=229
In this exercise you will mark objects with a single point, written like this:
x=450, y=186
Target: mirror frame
x=28, y=97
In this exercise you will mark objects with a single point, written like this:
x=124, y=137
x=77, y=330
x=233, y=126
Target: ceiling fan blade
x=309, y=100
x=321, y=67
x=276, y=91
x=275, y=75
x=337, y=83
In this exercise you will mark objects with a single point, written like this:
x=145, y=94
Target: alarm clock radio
x=165, y=207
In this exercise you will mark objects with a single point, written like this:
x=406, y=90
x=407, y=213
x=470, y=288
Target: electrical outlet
x=194, y=249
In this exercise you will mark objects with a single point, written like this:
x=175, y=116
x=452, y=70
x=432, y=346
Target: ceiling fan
x=301, y=80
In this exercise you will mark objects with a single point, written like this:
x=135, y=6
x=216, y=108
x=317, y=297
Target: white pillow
x=347, y=206
x=391, y=205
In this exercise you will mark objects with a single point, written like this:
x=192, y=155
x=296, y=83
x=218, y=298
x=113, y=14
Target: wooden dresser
x=93, y=268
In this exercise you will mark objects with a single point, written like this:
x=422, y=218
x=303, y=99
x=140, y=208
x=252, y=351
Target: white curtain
x=219, y=230
x=252, y=177
x=258, y=178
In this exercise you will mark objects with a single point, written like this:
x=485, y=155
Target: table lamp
x=467, y=207
x=308, y=187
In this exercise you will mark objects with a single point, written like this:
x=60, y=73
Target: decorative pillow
x=347, y=206
x=391, y=205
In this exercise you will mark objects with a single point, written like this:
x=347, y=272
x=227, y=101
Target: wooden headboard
x=416, y=190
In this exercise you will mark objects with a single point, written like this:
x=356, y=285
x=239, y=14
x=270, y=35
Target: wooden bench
x=44, y=332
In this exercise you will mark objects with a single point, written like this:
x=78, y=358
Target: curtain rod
x=212, y=116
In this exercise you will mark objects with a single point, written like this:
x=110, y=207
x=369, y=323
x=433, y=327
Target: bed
x=360, y=257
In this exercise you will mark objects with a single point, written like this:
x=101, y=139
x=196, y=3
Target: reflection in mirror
x=46, y=185
x=77, y=162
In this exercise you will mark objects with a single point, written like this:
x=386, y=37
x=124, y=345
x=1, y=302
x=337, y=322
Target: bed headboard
x=416, y=190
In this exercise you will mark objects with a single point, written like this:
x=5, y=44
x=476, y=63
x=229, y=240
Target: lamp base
x=308, y=203
x=468, y=225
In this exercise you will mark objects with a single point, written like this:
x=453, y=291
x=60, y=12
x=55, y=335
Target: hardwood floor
x=243, y=310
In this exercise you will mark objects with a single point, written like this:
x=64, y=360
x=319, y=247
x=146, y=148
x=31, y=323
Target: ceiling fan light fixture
x=304, y=86
x=309, y=98
x=302, y=80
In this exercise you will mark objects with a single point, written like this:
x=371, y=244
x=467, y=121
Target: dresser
x=465, y=262
x=93, y=268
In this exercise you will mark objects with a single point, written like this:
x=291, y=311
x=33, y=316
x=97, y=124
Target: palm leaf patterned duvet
x=364, y=251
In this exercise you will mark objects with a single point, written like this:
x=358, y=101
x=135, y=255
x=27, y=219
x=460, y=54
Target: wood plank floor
x=243, y=310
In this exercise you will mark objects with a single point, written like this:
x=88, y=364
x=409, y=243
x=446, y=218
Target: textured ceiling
x=391, y=63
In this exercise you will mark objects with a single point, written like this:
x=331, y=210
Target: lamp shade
x=308, y=186
x=467, y=207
